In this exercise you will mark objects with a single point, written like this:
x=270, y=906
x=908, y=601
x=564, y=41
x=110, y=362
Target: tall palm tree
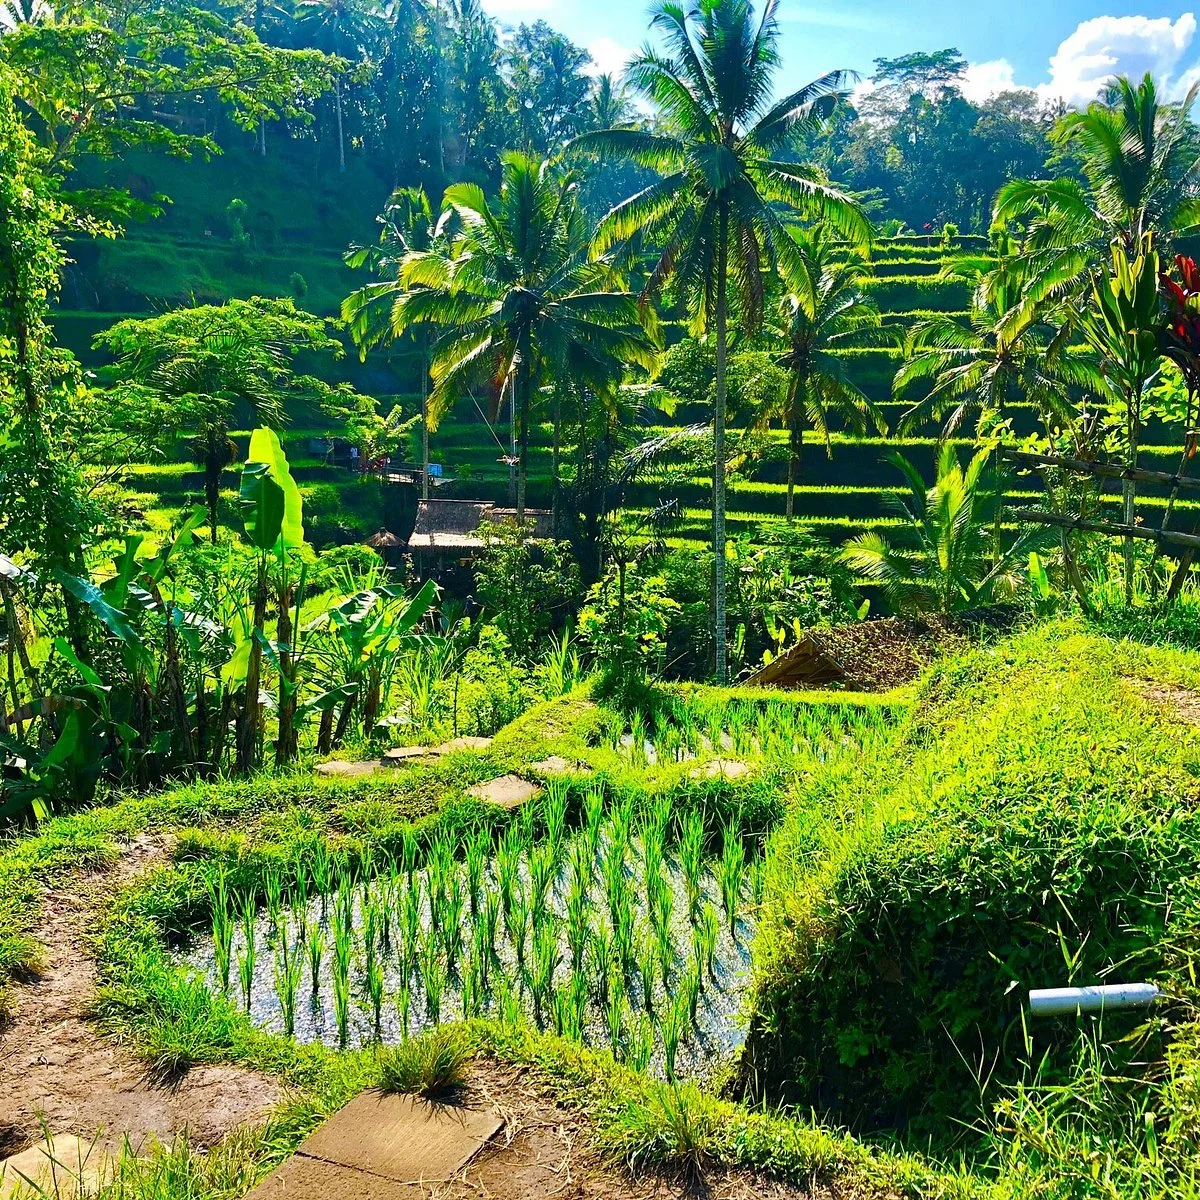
x=371, y=311
x=518, y=302
x=826, y=314
x=954, y=564
x=345, y=28
x=1010, y=351
x=1141, y=163
x=610, y=104
x=716, y=210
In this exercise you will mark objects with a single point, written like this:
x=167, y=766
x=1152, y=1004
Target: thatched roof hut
x=452, y=525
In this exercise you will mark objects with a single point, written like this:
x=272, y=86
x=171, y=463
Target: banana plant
x=272, y=515
x=366, y=636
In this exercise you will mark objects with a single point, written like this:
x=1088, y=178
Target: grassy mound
x=1034, y=824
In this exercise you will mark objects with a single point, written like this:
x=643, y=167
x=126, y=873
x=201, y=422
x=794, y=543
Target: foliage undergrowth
x=1033, y=824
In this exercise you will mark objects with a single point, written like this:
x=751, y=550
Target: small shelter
x=388, y=544
x=450, y=527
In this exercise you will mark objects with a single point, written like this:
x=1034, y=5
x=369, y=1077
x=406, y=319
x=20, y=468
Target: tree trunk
x=1128, y=492
x=425, y=422
x=795, y=450
x=337, y=93
x=720, y=656
x=247, y=741
x=523, y=435
x=555, y=452
x=212, y=486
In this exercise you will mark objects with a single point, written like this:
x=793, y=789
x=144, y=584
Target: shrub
x=433, y=1065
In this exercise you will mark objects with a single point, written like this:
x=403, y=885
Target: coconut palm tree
x=826, y=314
x=1141, y=163
x=954, y=564
x=517, y=301
x=370, y=312
x=345, y=28
x=1009, y=352
x=716, y=210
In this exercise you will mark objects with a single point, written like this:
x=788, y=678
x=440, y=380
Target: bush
x=1034, y=825
x=433, y=1065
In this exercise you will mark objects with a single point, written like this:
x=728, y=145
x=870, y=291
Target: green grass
x=1034, y=824
x=433, y=1065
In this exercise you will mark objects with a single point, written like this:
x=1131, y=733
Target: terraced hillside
x=837, y=494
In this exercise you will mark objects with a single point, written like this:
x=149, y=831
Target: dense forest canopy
x=428, y=94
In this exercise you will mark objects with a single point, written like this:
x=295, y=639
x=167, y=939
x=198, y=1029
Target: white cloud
x=518, y=9
x=608, y=56
x=1106, y=46
x=983, y=80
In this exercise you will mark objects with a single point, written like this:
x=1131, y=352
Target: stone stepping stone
x=464, y=743
x=721, y=768
x=404, y=754
x=381, y=1148
x=557, y=765
x=339, y=768
x=304, y=1178
x=61, y=1165
x=508, y=791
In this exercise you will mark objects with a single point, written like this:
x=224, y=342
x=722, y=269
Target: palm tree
x=826, y=314
x=344, y=28
x=518, y=300
x=716, y=210
x=1141, y=161
x=955, y=564
x=1010, y=351
x=610, y=106
x=370, y=313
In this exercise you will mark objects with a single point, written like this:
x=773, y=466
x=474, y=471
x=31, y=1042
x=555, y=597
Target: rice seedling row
x=631, y=931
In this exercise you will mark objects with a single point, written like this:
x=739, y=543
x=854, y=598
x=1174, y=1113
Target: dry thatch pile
x=873, y=656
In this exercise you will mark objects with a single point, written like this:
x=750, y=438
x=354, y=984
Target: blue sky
x=1064, y=48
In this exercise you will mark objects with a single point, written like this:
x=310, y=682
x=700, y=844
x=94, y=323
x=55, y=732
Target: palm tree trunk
x=337, y=93
x=425, y=423
x=720, y=656
x=555, y=452
x=523, y=453
x=795, y=449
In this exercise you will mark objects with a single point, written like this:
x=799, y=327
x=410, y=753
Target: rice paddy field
x=735, y=929
x=841, y=490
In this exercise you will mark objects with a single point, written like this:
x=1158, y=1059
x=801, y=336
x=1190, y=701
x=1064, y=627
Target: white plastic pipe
x=1053, y=1002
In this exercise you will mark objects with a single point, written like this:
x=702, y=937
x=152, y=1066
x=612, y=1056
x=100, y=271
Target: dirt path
x=56, y=1066
x=544, y=1152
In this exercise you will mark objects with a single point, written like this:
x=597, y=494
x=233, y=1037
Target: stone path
x=508, y=791
x=397, y=756
x=60, y=1073
x=382, y=1147
x=61, y=1166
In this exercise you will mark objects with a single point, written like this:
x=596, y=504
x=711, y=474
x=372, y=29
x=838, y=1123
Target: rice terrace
x=599, y=601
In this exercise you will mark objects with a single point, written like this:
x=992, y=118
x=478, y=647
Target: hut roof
x=876, y=655
x=454, y=524
x=384, y=540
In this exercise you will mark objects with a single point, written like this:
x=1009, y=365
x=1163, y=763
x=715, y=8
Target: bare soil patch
x=57, y=1066
x=544, y=1151
x=1181, y=703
